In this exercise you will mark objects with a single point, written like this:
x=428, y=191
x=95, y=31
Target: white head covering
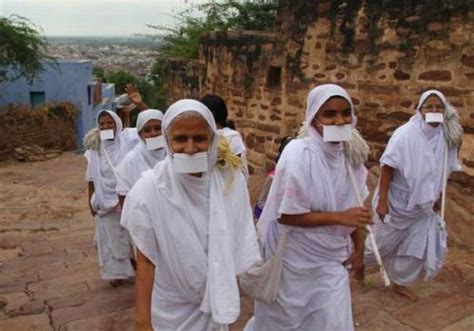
x=451, y=125
x=319, y=96
x=186, y=105
x=316, y=99
x=147, y=115
x=429, y=93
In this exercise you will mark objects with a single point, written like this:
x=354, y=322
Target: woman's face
x=335, y=111
x=432, y=104
x=189, y=135
x=151, y=129
x=106, y=122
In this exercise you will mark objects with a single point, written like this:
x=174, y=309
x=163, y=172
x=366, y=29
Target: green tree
x=22, y=47
x=99, y=72
x=121, y=78
x=182, y=39
x=147, y=90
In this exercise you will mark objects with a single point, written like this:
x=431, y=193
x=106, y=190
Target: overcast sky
x=94, y=17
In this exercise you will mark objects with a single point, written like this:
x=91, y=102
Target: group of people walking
x=175, y=189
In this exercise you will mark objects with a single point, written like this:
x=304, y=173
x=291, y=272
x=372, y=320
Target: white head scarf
x=147, y=115
x=186, y=105
x=319, y=96
x=429, y=93
x=316, y=99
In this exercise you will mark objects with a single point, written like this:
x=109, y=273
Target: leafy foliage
x=182, y=40
x=21, y=46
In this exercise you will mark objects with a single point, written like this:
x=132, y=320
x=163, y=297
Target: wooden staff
x=378, y=258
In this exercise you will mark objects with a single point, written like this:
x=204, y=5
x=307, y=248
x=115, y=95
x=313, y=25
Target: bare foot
x=117, y=282
x=405, y=292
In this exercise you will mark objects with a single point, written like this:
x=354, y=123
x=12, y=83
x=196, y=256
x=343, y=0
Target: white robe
x=310, y=176
x=113, y=241
x=137, y=161
x=198, y=237
x=412, y=242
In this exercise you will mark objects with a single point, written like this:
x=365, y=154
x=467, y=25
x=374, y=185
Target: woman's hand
x=357, y=217
x=356, y=261
x=144, y=326
x=437, y=204
x=93, y=212
x=382, y=209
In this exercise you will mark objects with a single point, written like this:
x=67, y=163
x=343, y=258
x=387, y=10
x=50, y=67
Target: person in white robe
x=218, y=109
x=113, y=241
x=145, y=155
x=313, y=201
x=192, y=224
x=410, y=234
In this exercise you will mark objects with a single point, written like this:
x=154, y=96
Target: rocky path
x=49, y=278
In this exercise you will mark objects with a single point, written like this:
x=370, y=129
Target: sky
x=94, y=17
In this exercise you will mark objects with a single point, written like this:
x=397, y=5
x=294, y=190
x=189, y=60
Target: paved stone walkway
x=49, y=278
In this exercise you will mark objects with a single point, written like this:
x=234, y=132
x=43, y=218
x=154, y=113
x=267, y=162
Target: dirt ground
x=49, y=277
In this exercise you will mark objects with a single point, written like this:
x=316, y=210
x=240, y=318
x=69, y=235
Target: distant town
x=133, y=54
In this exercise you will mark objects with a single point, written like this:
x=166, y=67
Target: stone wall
x=265, y=77
x=50, y=126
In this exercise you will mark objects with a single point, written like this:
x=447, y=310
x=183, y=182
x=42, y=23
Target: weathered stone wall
x=265, y=77
x=49, y=126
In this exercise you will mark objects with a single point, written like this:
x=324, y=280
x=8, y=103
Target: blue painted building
x=68, y=80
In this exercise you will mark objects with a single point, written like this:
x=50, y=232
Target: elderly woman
x=191, y=221
x=113, y=241
x=313, y=203
x=412, y=236
x=146, y=154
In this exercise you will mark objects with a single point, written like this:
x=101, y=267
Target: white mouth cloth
x=336, y=133
x=106, y=134
x=189, y=164
x=155, y=143
x=434, y=118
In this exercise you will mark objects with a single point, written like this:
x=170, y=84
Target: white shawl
x=160, y=215
x=99, y=170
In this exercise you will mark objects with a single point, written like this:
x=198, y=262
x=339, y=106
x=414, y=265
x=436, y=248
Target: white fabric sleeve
x=247, y=251
x=136, y=219
x=89, y=171
x=132, y=136
x=123, y=185
x=393, y=155
x=236, y=143
x=292, y=188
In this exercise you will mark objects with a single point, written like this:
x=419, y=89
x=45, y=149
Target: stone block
x=38, y=322
x=436, y=76
x=436, y=311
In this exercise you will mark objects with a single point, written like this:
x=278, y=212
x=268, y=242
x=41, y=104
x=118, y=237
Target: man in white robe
x=412, y=236
x=194, y=231
x=113, y=241
x=313, y=199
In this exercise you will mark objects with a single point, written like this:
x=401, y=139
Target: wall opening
x=36, y=99
x=274, y=77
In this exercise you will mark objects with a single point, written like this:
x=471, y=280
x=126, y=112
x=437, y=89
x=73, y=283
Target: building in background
x=67, y=80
